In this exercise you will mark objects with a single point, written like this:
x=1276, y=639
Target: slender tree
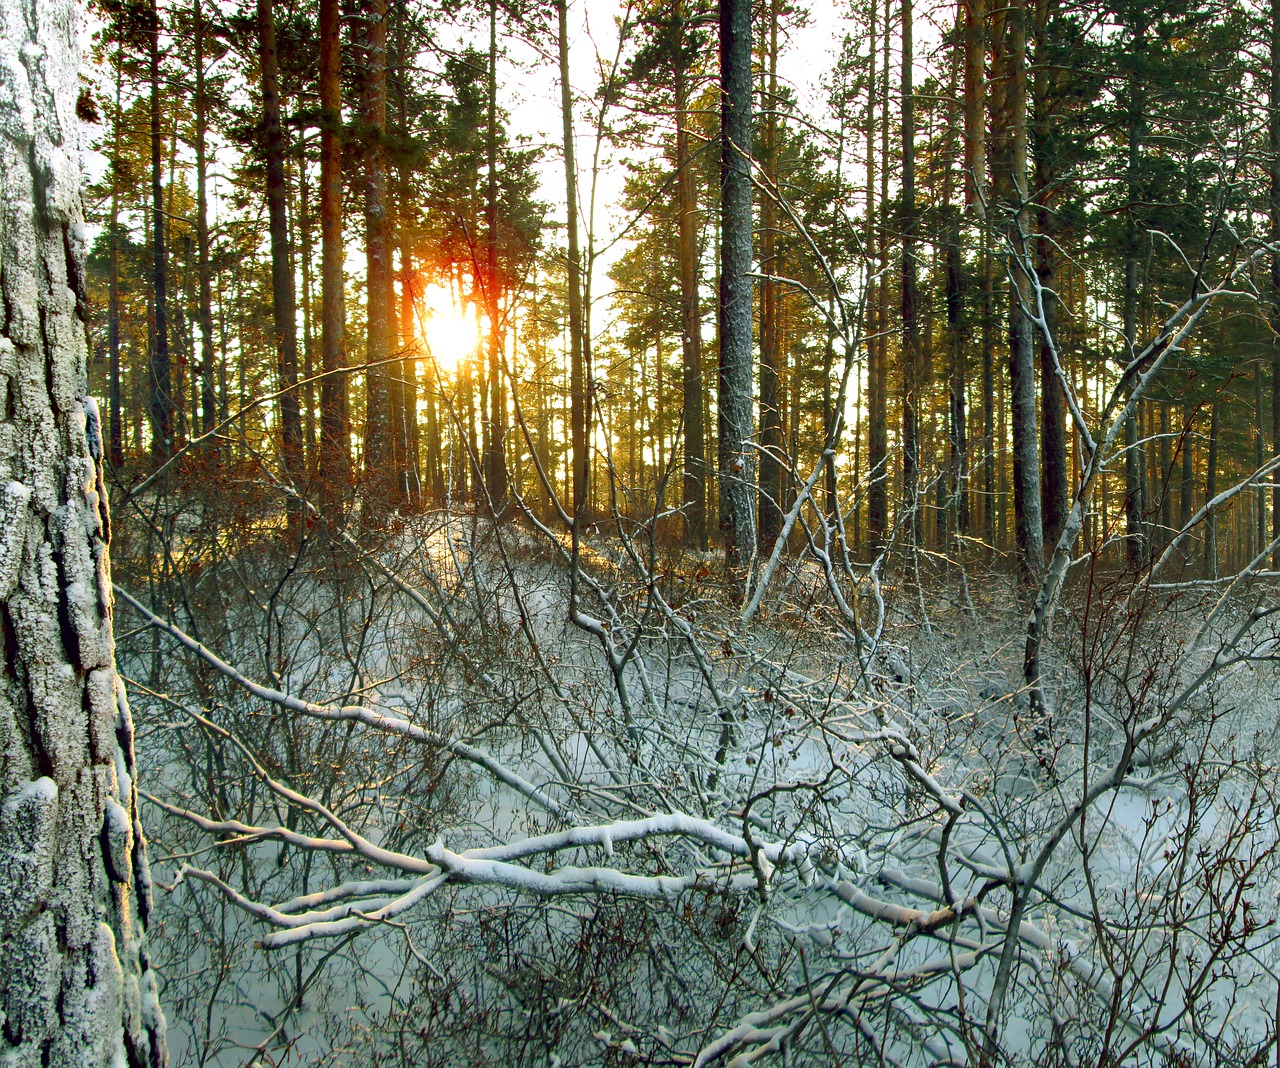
x=334, y=468
x=161, y=389
x=283, y=307
x=578, y=410
x=771, y=443
x=736, y=460
x=373, y=106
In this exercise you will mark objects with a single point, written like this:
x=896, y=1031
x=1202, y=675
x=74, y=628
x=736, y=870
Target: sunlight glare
x=451, y=335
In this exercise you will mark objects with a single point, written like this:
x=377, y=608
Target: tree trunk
x=208, y=400
x=911, y=358
x=495, y=461
x=1011, y=191
x=160, y=404
x=334, y=468
x=1273, y=166
x=1135, y=540
x=283, y=308
x=737, y=521
x=76, y=984
x=695, y=443
x=770, y=515
x=116, y=452
x=377, y=437
x=1053, y=432
x=581, y=460
x=877, y=369
x=411, y=474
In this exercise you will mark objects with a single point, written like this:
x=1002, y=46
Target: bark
x=736, y=460
x=911, y=357
x=1273, y=166
x=377, y=438
x=695, y=444
x=1053, y=432
x=334, y=468
x=160, y=401
x=411, y=475
x=283, y=307
x=1135, y=538
x=114, y=401
x=76, y=984
x=208, y=401
x=495, y=460
x=580, y=460
x=1011, y=191
x=770, y=514
x=877, y=370
x=308, y=389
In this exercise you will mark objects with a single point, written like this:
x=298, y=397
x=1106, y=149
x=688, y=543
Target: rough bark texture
x=76, y=987
x=695, y=445
x=1011, y=188
x=208, y=401
x=161, y=390
x=911, y=356
x=283, y=300
x=1274, y=169
x=334, y=473
x=577, y=361
x=737, y=518
x=377, y=439
x=771, y=440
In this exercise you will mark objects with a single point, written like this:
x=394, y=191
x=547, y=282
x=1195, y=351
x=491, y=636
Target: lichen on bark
x=76, y=986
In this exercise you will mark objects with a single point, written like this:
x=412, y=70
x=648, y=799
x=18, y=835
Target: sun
x=451, y=335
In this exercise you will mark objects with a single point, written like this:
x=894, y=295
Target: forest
x=640, y=532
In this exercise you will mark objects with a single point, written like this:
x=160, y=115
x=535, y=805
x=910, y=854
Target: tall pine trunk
x=911, y=356
x=1053, y=432
x=877, y=369
x=208, y=399
x=334, y=467
x=377, y=436
x=114, y=400
x=580, y=458
x=736, y=460
x=76, y=983
x=1011, y=191
x=160, y=402
x=695, y=442
x=495, y=460
x=770, y=515
x=283, y=307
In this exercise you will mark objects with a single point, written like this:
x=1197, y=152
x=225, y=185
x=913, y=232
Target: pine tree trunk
x=283, y=307
x=160, y=403
x=911, y=359
x=114, y=401
x=76, y=984
x=695, y=439
x=495, y=460
x=1012, y=190
x=1273, y=166
x=770, y=516
x=208, y=400
x=334, y=468
x=1135, y=540
x=736, y=462
x=1053, y=432
x=581, y=460
x=377, y=436
x=412, y=474
x=877, y=371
